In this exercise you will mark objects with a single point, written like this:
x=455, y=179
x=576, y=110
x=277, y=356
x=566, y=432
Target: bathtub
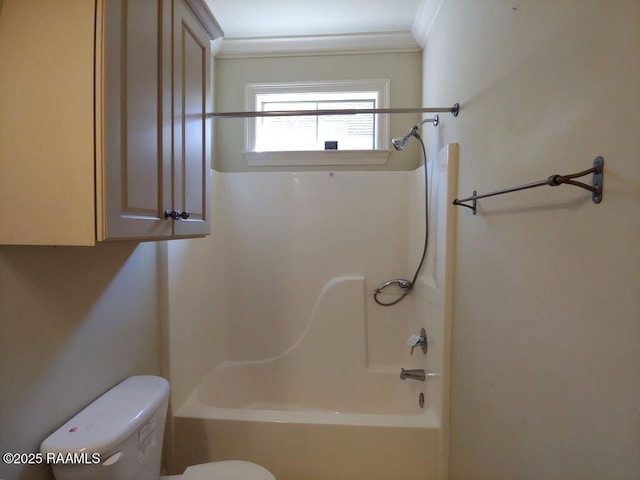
x=352, y=421
x=298, y=445
x=325, y=404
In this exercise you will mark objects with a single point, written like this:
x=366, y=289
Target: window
x=358, y=137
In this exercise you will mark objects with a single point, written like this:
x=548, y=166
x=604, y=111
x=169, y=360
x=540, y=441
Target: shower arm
x=435, y=121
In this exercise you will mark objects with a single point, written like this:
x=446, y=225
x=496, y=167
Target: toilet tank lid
x=111, y=418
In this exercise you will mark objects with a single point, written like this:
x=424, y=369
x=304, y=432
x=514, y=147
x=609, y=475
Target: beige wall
x=403, y=69
x=197, y=330
x=546, y=348
x=73, y=323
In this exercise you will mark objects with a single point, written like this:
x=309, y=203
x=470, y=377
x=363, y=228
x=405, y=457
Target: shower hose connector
x=405, y=286
x=400, y=282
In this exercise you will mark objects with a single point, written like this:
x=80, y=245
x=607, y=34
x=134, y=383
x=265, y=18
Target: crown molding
x=424, y=20
x=216, y=45
x=202, y=12
x=305, y=45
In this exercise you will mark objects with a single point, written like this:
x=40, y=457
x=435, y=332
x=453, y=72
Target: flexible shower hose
x=407, y=285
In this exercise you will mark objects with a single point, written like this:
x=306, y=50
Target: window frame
x=376, y=156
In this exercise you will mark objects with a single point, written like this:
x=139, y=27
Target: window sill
x=315, y=158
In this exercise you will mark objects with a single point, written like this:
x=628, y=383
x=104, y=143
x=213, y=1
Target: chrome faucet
x=417, y=374
x=419, y=341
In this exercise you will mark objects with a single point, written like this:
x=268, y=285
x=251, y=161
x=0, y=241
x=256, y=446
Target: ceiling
x=281, y=18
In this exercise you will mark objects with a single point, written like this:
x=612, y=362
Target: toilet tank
x=117, y=437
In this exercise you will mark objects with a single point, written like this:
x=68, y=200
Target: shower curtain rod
x=595, y=188
x=454, y=110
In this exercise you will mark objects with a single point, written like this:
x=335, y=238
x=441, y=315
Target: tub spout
x=417, y=374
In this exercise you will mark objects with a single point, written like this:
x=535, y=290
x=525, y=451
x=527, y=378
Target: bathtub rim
x=194, y=408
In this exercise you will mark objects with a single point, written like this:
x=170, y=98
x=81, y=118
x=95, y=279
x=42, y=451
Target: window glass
x=309, y=133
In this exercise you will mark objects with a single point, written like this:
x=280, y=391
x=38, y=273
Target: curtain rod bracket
x=596, y=187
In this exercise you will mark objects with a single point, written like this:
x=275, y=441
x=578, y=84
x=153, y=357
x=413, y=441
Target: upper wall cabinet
x=102, y=128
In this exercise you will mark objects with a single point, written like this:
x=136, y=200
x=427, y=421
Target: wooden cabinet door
x=136, y=175
x=191, y=129
x=47, y=166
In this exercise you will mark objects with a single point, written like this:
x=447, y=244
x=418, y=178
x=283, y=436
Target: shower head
x=400, y=142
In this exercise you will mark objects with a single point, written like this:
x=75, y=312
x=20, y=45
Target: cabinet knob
x=176, y=215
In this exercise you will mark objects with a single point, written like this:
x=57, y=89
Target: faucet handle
x=422, y=341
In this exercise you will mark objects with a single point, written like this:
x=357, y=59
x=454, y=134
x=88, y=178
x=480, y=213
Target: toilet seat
x=227, y=470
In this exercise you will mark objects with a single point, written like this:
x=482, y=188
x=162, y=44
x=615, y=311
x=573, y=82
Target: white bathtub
x=327, y=403
x=297, y=445
x=320, y=393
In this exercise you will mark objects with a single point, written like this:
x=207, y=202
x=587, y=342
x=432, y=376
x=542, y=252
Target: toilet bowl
x=119, y=437
x=226, y=470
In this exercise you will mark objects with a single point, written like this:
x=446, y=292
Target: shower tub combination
x=324, y=407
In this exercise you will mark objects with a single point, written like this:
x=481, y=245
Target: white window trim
x=378, y=156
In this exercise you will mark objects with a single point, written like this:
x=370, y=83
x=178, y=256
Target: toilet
x=119, y=437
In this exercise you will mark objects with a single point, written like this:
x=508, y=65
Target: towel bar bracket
x=596, y=183
x=472, y=199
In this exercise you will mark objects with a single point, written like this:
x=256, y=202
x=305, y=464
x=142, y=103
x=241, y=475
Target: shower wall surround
x=278, y=238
